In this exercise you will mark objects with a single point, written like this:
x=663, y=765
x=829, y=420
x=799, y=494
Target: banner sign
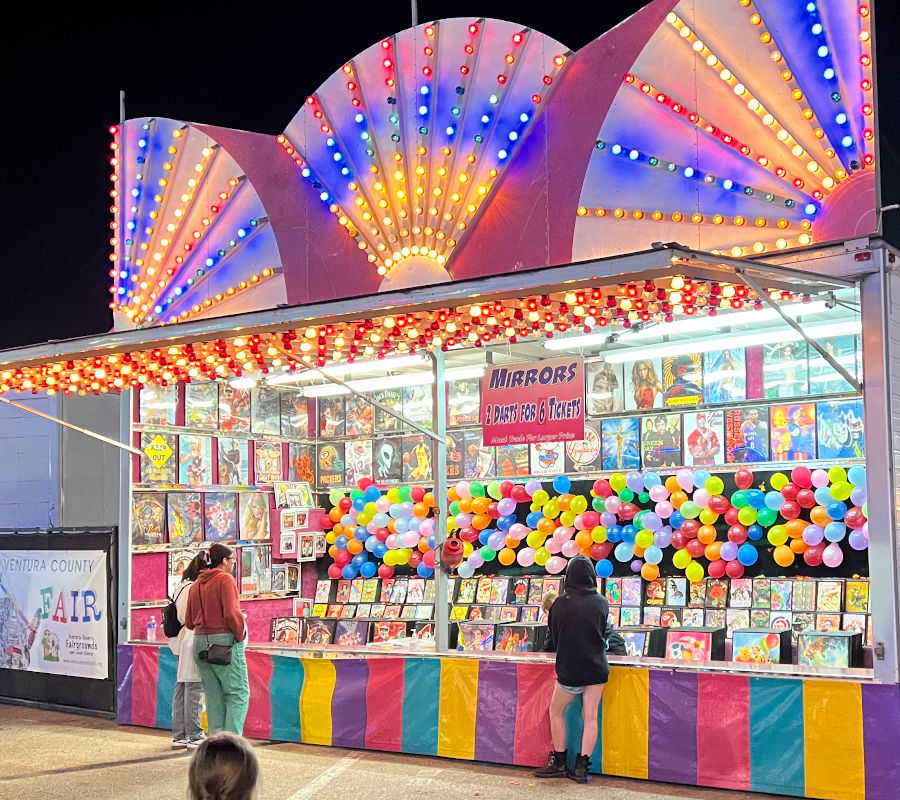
x=53, y=609
x=537, y=401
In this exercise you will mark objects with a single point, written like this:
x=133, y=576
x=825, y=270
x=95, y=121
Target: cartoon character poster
x=159, y=462
x=267, y=463
x=234, y=409
x=824, y=378
x=478, y=461
x=331, y=417
x=463, y=402
x=416, y=458
x=390, y=398
x=201, y=405
x=725, y=375
x=148, y=518
x=793, y=432
x=220, y=512
x=254, y=508
x=417, y=405
x=688, y=645
x=704, y=434
x=605, y=388
x=157, y=404
x=620, y=442
x=785, y=370
x=185, y=516
x=643, y=384
x=584, y=456
x=301, y=462
x=358, y=461
x=234, y=462
x=360, y=416
x=330, y=464
x=195, y=460
x=178, y=561
x=294, y=415
x=455, y=448
x=683, y=380
x=547, y=458
x=512, y=460
x=387, y=459
x=746, y=435
x=661, y=441
x=840, y=429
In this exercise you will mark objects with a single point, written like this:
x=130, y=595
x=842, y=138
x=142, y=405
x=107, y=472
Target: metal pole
x=124, y=533
x=439, y=466
x=415, y=12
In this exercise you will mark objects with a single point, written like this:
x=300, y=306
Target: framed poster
x=547, y=458
x=220, y=515
x=195, y=460
x=391, y=398
x=785, y=370
x=746, y=435
x=621, y=443
x=584, y=456
x=455, y=448
x=157, y=404
x=358, y=460
x=416, y=458
x=360, y=416
x=604, y=388
x=478, y=461
x=330, y=464
x=725, y=375
x=683, y=380
x=825, y=379
x=661, y=441
x=234, y=409
x=294, y=415
x=643, y=384
x=387, y=459
x=201, y=405
x=234, y=461
x=331, y=417
x=159, y=462
x=148, y=518
x=793, y=432
x=840, y=430
x=463, y=402
x=704, y=433
x=185, y=517
x=265, y=411
x=417, y=405
x=254, y=508
x=301, y=462
x=267, y=462
x=512, y=460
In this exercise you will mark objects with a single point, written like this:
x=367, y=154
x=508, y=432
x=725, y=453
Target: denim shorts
x=571, y=689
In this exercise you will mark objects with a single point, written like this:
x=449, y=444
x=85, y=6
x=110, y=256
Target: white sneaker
x=194, y=745
x=179, y=744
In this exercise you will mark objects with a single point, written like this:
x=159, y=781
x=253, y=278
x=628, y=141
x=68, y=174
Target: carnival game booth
x=543, y=303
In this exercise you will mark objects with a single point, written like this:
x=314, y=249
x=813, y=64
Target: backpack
x=171, y=625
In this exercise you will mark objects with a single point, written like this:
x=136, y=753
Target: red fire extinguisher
x=451, y=552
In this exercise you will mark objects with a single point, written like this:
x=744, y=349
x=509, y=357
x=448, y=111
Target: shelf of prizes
x=742, y=597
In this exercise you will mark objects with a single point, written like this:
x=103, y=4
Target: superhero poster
x=416, y=458
x=661, y=441
x=620, y=442
x=683, y=380
x=785, y=370
x=547, y=458
x=643, y=384
x=725, y=375
x=195, y=460
x=234, y=409
x=148, y=519
x=301, y=462
x=220, y=513
x=330, y=464
x=793, y=430
x=185, y=517
x=605, y=390
x=584, y=456
x=704, y=436
x=387, y=459
x=747, y=435
x=839, y=424
x=478, y=461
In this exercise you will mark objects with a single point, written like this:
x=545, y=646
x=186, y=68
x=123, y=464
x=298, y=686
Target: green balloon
x=477, y=489
x=689, y=509
x=405, y=495
x=335, y=496
x=739, y=499
x=454, y=508
x=493, y=489
x=598, y=504
x=626, y=495
x=644, y=497
x=766, y=516
x=488, y=553
x=354, y=493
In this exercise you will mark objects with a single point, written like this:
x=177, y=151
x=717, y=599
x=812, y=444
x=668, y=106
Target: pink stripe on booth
x=534, y=685
x=145, y=671
x=259, y=712
x=384, y=725
x=723, y=731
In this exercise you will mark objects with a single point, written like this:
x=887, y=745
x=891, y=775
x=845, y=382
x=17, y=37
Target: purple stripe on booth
x=348, y=703
x=673, y=727
x=881, y=732
x=495, y=719
x=123, y=684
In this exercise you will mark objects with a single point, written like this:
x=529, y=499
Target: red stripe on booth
x=143, y=686
x=723, y=731
x=384, y=723
x=534, y=687
x=259, y=712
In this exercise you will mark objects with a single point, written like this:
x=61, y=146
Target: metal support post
x=439, y=470
x=123, y=565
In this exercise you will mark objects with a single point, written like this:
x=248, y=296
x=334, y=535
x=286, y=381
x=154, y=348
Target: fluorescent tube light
x=338, y=370
x=394, y=381
x=243, y=383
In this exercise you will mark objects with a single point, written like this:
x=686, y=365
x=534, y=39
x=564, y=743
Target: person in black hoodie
x=577, y=632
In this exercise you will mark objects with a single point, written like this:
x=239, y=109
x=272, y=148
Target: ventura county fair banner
x=537, y=401
x=53, y=609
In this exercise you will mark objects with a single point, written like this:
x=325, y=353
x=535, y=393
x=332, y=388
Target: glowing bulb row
x=221, y=297
x=864, y=34
x=695, y=218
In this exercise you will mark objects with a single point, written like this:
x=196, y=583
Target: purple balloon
x=729, y=551
x=813, y=534
x=608, y=519
x=858, y=540
x=506, y=506
x=663, y=537
x=636, y=565
x=858, y=495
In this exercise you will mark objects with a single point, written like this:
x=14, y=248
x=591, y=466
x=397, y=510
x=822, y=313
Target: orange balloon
x=583, y=540
x=546, y=526
x=672, y=484
x=420, y=510
x=480, y=521
x=819, y=516
x=335, y=514
x=563, y=501
x=713, y=551
x=506, y=556
x=451, y=495
x=423, y=545
x=392, y=525
x=465, y=505
x=706, y=534
x=798, y=546
x=333, y=550
x=354, y=546
x=649, y=572
x=511, y=542
x=480, y=505
x=795, y=528
x=428, y=499
x=338, y=529
x=678, y=499
x=784, y=556
x=639, y=551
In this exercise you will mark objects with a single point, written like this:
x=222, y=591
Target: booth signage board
x=52, y=612
x=537, y=401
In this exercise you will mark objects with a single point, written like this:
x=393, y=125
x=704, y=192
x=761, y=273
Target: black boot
x=556, y=766
x=579, y=773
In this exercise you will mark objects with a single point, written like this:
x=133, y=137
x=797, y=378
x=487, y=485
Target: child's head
x=548, y=601
x=224, y=767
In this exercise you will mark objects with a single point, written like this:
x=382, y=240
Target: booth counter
x=785, y=732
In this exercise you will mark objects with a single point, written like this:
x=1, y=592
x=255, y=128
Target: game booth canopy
x=683, y=210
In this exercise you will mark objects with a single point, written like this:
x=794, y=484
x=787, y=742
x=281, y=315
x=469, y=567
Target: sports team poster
x=584, y=456
x=53, y=610
x=746, y=435
x=537, y=401
x=643, y=384
x=456, y=445
x=704, y=436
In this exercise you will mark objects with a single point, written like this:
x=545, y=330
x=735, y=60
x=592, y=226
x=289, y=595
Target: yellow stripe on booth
x=315, y=701
x=456, y=718
x=833, y=739
x=625, y=718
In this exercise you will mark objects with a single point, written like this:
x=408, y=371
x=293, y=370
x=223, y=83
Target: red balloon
x=601, y=550
x=627, y=511
x=381, y=534
x=789, y=509
x=417, y=494
x=602, y=489
x=790, y=491
x=737, y=534
x=743, y=478
x=345, y=504
x=716, y=569
x=493, y=512
x=734, y=569
x=802, y=477
x=855, y=517
x=384, y=571
x=813, y=554
x=695, y=547
x=590, y=519
x=415, y=558
x=690, y=528
x=334, y=571
x=468, y=534
x=519, y=494
x=428, y=558
x=342, y=558
x=806, y=498
x=364, y=483
x=505, y=488
x=326, y=523
x=731, y=516
x=679, y=540
x=719, y=504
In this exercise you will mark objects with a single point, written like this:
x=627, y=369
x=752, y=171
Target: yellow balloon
x=370, y=509
x=643, y=539
x=331, y=537
x=539, y=498
x=599, y=534
x=578, y=504
x=714, y=485
x=402, y=556
x=708, y=516
x=567, y=519
x=694, y=572
x=393, y=495
x=363, y=519
x=837, y=474
x=541, y=556
x=681, y=559
x=535, y=539
x=389, y=558
x=551, y=510
x=777, y=535
x=778, y=480
x=467, y=549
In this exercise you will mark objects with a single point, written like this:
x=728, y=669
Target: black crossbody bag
x=215, y=653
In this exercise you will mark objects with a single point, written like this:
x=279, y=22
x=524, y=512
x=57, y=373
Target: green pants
x=227, y=687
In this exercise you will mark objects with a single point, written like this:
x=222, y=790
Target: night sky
x=248, y=66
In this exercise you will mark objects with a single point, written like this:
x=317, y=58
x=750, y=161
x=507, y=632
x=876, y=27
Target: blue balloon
x=651, y=479
x=533, y=519
x=604, y=568
x=505, y=523
x=774, y=500
x=414, y=523
x=341, y=542
x=629, y=532
x=347, y=521
x=624, y=551
x=754, y=532
x=701, y=476
x=359, y=503
x=368, y=569
x=424, y=570
x=348, y=572
x=676, y=519
x=379, y=549
x=747, y=554
x=484, y=535
x=653, y=554
x=371, y=494
x=401, y=525
x=857, y=475
x=823, y=496
x=836, y=510
x=431, y=541
x=614, y=534
x=835, y=531
x=361, y=534
x=359, y=559
x=370, y=544
x=562, y=484
x=756, y=499
x=381, y=520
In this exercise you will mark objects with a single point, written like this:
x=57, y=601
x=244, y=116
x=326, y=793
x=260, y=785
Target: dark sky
x=250, y=66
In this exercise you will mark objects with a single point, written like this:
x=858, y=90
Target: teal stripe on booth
x=165, y=687
x=574, y=728
x=776, y=736
x=421, y=705
x=284, y=695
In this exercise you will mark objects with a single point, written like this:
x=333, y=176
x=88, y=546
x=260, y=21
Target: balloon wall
x=632, y=521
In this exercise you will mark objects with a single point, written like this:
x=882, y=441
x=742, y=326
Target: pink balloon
x=612, y=503
x=664, y=509
x=833, y=555
x=701, y=498
x=525, y=557
x=685, y=479
x=555, y=565
x=819, y=478
x=658, y=492
x=570, y=549
x=553, y=544
x=518, y=531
